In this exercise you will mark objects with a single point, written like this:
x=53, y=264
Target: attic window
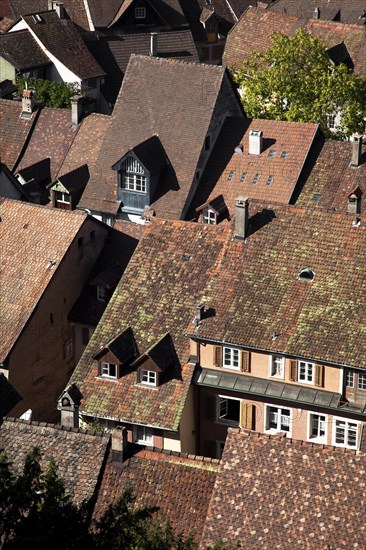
x=148, y=377
x=256, y=178
x=231, y=175
x=37, y=18
x=269, y=180
x=243, y=177
x=306, y=275
x=209, y=217
x=284, y=155
x=140, y=13
x=316, y=197
x=272, y=153
x=108, y=370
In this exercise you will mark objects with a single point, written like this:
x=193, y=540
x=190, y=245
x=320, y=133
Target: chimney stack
x=153, y=44
x=76, y=110
x=58, y=7
x=316, y=13
x=255, y=142
x=241, y=218
x=28, y=103
x=68, y=403
x=119, y=443
x=356, y=151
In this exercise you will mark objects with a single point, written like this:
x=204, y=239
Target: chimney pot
x=119, y=443
x=255, y=142
x=356, y=151
x=28, y=103
x=241, y=218
x=153, y=44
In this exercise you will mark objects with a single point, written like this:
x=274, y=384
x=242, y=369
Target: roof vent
x=255, y=142
x=306, y=275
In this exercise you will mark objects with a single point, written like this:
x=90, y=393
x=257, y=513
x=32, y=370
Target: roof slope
x=102, y=13
x=61, y=38
x=181, y=121
x=51, y=137
x=68, y=449
x=331, y=180
x=157, y=294
x=274, y=492
x=268, y=176
x=266, y=296
x=19, y=49
x=254, y=30
x=349, y=12
x=14, y=131
x=75, y=10
x=24, y=277
x=113, y=53
x=180, y=486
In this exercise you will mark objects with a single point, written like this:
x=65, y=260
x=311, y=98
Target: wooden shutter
x=247, y=415
x=319, y=375
x=245, y=361
x=218, y=356
x=293, y=371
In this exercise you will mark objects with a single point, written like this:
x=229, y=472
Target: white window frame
x=350, y=375
x=140, y=12
x=143, y=436
x=105, y=370
x=361, y=376
x=221, y=418
x=229, y=358
x=209, y=216
x=276, y=366
x=279, y=420
x=148, y=377
x=346, y=427
x=134, y=182
x=63, y=195
x=322, y=425
x=307, y=366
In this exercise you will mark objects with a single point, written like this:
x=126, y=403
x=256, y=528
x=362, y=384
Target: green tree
x=295, y=80
x=50, y=94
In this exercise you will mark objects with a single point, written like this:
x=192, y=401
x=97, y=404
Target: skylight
x=306, y=274
x=243, y=177
x=231, y=175
x=284, y=154
x=272, y=153
x=269, y=180
x=256, y=178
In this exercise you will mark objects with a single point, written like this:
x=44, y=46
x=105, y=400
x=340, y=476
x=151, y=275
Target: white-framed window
x=134, y=182
x=306, y=372
x=350, y=379
x=276, y=366
x=208, y=216
x=361, y=383
x=148, y=377
x=331, y=121
x=62, y=197
x=278, y=419
x=108, y=370
x=318, y=427
x=140, y=12
x=143, y=435
x=231, y=358
x=228, y=409
x=101, y=293
x=345, y=433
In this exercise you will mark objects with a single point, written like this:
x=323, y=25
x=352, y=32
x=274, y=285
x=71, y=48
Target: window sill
x=146, y=386
x=105, y=377
x=231, y=423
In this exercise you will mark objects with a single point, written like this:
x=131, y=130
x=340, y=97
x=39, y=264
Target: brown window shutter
x=218, y=356
x=245, y=361
x=247, y=415
x=293, y=371
x=319, y=375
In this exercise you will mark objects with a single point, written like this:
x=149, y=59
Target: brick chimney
x=255, y=142
x=119, y=443
x=153, y=44
x=356, y=151
x=241, y=218
x=28, y=103
x=76, y=110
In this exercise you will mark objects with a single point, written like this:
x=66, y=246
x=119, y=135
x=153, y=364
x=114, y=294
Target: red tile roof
x=273, y=492
x=180, y=486
x=346, y=11
x=24, y=276
x=75, y=9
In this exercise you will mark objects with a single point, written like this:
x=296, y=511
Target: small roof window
x=272, y=153
x=243, y=177
x=231, y=175
x=306, y=274
x=284, y=154
x=256, y=178
x=269, y=180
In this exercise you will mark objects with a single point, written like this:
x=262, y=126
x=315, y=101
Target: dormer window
x=148, y=377
x=209, y=216
x=140, y=12
x=108, y=370
x=133, y=178
x=354, y=202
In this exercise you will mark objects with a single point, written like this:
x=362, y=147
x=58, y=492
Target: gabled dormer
x=68, y=403
x=155, y=362
x=116, y=355
x=213, y=211
x=354, y=201
x=138, y=174
x=66, y=191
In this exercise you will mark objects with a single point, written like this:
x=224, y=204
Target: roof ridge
x=177, y=454
x=295, y=442
x=175, y=61
x=39, y=423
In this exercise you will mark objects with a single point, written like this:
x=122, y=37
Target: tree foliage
x=295, y=80
x=50, y=94
x=36, y=512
